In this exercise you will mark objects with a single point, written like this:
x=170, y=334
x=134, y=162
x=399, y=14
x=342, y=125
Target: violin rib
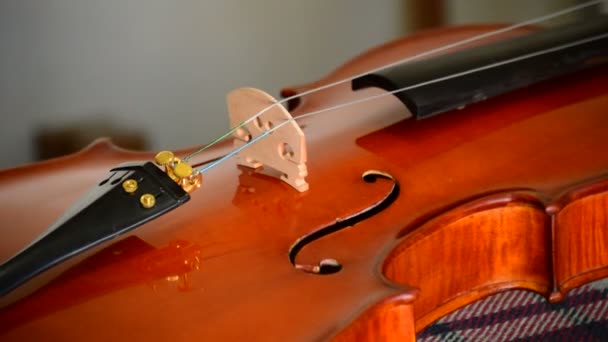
x=548, y=250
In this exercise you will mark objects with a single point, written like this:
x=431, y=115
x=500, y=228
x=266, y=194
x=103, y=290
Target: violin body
x=510, y=192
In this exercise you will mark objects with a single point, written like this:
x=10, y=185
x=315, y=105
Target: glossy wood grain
x=471, y=253
x=580, y=226
x=470, y=220
x=501, y=242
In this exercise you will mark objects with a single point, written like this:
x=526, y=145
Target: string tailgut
x=272, y=139
x=179, y=171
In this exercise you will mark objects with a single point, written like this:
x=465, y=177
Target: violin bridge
x=283, y=149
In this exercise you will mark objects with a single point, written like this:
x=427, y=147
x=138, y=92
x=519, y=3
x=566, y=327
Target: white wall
x=467, y=11
x=163, y=67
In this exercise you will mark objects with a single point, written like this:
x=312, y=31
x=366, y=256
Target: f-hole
x=329, y=265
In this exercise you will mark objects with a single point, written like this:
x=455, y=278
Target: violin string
x=399, y=62
x=384, y=94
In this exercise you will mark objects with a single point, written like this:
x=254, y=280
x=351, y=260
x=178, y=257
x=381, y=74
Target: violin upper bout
x=104, y=146
x=101, y=145
x=101, y=151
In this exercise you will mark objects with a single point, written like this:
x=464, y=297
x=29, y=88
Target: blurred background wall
x=153, y=73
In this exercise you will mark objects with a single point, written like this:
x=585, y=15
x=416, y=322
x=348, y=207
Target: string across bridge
x=415, y=57
x=289, y=120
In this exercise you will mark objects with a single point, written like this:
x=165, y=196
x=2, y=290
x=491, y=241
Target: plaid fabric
x=525, y=316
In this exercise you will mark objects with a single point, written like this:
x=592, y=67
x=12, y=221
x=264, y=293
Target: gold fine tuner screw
x=164, y=157
x=182, y=170
x=147, y=200
x=130, y=186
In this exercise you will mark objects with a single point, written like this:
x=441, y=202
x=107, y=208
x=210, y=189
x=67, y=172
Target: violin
x=422, y=175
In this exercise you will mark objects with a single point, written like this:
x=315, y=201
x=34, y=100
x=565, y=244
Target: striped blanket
x=525, y=316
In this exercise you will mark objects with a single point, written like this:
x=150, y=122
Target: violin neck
x=458, y=79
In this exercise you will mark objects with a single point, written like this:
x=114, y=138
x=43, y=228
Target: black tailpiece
x=108, y=211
